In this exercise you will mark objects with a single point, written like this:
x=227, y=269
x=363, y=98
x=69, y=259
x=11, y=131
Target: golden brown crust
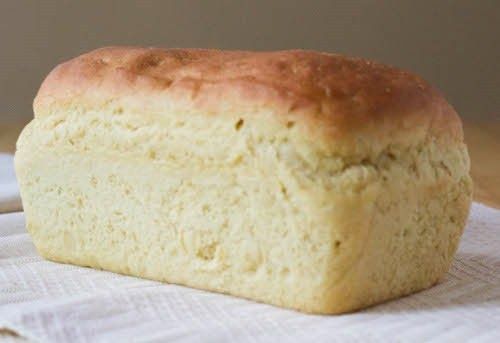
x=333, y=93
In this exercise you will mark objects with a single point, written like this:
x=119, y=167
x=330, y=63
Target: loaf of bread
x=301, y=179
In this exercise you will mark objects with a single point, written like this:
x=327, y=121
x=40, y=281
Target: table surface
x=482, y=138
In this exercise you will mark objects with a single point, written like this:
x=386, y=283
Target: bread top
x=348, y=102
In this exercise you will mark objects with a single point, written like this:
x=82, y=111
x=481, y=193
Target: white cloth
x=9, y=193
x=51, y=302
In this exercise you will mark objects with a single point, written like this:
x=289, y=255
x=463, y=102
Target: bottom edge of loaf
x=332, y=307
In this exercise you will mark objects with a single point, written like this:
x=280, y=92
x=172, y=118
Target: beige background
x=453, y=44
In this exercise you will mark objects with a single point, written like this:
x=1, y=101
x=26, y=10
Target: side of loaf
x=305, y=180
